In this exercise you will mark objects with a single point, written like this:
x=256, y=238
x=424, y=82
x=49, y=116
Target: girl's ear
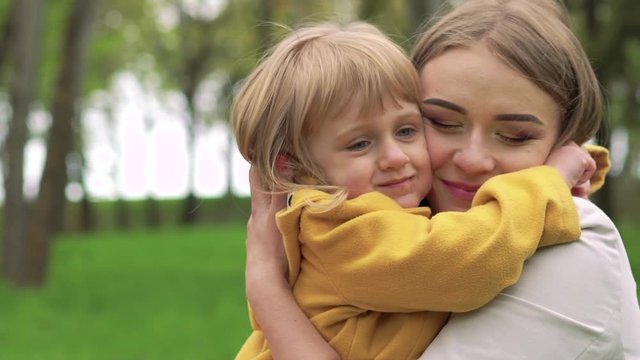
x=285, y=165
x=282, y=162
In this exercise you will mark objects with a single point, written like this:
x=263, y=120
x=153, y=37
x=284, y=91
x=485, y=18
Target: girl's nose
x=392, y=156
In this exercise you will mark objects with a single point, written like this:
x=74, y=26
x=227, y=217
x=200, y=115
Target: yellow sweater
x=378, y=280
x=603, y=164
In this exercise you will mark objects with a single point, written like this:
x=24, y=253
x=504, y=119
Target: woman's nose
x=474, y=160
x=392, y=156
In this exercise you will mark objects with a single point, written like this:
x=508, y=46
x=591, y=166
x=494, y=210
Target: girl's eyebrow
x=445, y=104
x=519, y=117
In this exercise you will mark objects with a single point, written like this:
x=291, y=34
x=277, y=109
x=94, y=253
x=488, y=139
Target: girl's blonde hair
x=533, y=38
x=313, y=75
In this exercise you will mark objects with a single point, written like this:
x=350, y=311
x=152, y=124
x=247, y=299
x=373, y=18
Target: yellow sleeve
x=603, y=165
x=395, y=261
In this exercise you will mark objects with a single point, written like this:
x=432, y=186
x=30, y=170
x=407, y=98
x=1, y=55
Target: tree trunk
x=122, y=218
x=231, y=144
x=120, y=209
x=152, y=216
x=87, y=216
x=27, y=35
x=195, y=67
x=7, y=42
x=49, y=207
x=190, y=214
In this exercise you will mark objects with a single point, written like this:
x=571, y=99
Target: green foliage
x=118, y=39
x=172, y=294
x=632, y=53
x=56, y=15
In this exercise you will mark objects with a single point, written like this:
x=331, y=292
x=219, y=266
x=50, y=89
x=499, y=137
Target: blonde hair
x=313, y=75
x=533, y=38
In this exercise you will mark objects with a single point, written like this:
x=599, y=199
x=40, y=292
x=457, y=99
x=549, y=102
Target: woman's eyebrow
x=445, y=104
x=519, y=117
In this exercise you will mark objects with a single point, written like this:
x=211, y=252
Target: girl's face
x=484, y=119
x=381, y=151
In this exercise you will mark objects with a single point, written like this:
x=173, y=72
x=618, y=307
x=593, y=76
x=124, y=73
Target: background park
x=124, y=201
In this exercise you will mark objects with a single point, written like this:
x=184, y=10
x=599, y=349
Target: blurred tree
x=48, y=209
x=185, y=57
x=87, y=214
x=123, y=43
x=6, y=37
x=609, y=29
x=24, y=35
x=251, y=28
x=370, y=10
x=419, y=12
x=152, y=211
x=121, y=210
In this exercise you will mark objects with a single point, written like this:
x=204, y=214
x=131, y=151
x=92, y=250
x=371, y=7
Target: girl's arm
x=573, y=301
x=288, y=330
x=291, y=331
x=390, y=260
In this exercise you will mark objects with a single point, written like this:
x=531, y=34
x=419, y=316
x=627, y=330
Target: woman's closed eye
x=442, y=124
x=515, y=139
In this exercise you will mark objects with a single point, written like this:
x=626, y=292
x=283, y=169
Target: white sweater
x=574, y=301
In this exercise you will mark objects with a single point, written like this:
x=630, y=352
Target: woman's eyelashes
x=517, y=138
x=508, y=136
x=441, y=124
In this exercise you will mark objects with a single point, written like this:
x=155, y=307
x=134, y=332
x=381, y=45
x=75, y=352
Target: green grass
x=631, y=234
x=167, y=294
x=140, y=295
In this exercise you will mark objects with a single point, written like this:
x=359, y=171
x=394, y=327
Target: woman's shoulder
x=592, y=218
x=570, y=302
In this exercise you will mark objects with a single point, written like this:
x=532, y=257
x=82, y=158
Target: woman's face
x=484, y=119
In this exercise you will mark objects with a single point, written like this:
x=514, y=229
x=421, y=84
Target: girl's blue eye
x=406, y=132
x=358, y=146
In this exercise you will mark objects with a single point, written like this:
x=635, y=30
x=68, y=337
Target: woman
x=504, y=82
x=350, y=124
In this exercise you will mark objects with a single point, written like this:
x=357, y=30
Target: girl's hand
x=574, y=164
x=582, y=190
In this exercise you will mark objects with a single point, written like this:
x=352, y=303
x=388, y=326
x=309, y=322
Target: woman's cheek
x=438, y=146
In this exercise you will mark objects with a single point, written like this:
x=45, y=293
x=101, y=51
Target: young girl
x=337, y=108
